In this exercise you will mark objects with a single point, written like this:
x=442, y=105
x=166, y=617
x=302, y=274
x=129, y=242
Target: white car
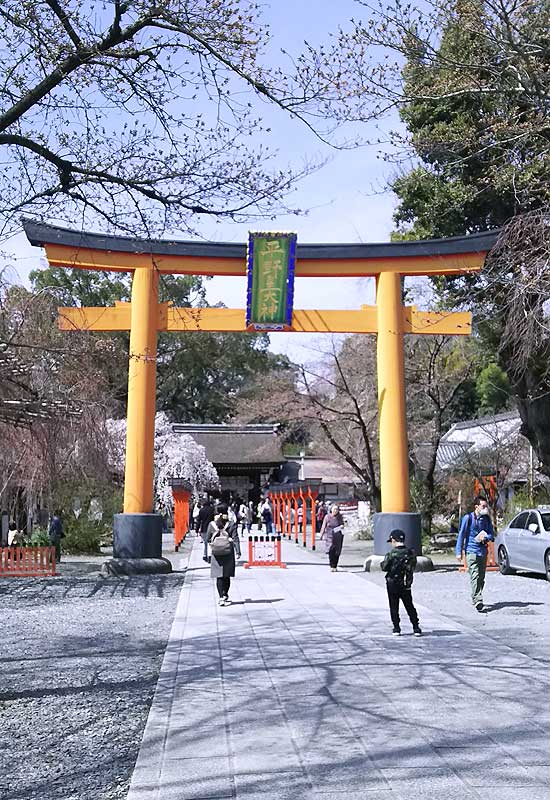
x=524, y=543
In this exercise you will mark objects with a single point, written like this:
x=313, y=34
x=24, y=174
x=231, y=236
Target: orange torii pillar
x=138, y=531
x=276, y=503
x=181, y=491
x=280, y=520
x=303, y=497
x=294, y=515
x=392, y=423
x=181, y=516
x=313, y=495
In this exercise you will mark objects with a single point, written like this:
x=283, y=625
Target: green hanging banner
x=271, y=261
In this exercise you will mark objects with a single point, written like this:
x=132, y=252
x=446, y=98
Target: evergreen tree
x=477, y=114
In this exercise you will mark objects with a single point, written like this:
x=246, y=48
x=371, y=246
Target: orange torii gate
x=281, y=498
x=137, y=532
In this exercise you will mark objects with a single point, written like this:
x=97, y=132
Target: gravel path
x=79, y=662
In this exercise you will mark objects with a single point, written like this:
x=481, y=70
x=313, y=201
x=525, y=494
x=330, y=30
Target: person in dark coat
x=399, y=566
x=222, y=566
x=55, y=534
x=204, y=518
x=266, y=513
x=332, y=532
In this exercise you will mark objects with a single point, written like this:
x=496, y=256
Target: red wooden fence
x=27, y=561
x=181, y=514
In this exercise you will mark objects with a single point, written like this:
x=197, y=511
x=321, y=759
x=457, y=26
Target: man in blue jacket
x=476, y=529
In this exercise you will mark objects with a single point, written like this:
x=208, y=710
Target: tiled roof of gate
x=40, y=233
x=237, y=445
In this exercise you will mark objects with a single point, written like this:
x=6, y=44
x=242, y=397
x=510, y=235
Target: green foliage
x=81, y=287
x=428, y=505
x=476, y=111
x=465, y=403
x=493, y=389
x=83, y=536
x=421, y=503
x=38, y=538
x=519, y=501
x=202, y=374
x=83, y=533
x=522, y=500
x=477, y=137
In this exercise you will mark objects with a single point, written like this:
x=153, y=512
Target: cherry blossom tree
x=177, y=455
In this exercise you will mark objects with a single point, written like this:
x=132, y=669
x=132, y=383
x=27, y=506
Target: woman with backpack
x=266, y=514
x=224, y=543
x=332, y=531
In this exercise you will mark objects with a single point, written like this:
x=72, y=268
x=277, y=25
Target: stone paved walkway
x=299, y=691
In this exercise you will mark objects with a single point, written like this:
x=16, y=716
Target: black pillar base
x=386, y=522
x=137, y=536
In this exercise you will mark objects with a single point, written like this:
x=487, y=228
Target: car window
x=520, y=521
x=533, y=520
x=546, y=521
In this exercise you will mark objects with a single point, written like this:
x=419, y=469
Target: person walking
x=249, y=515
x=224, y=543
x=300, y=514
x=232, y=512
x=55, y=534
x=332, y=532
x=320, y=512
x=243, y=517
x=204, y=518
x=399, y=566
x=476, y=530
x=195, y=517
x=267, y=516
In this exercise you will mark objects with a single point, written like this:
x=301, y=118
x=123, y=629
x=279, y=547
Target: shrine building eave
x=72, y=248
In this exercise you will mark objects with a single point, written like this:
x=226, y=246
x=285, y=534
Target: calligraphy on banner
x=271, y=262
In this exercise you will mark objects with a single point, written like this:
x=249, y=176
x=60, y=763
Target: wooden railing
x=27, y=561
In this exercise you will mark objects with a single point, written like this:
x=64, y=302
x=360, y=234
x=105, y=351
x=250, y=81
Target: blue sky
x=345, y=198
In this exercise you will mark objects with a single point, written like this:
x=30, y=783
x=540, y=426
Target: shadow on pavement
x=249, y=600
x=512, y=604
x=29, y=591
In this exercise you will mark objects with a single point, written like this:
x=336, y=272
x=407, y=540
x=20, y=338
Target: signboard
x=271, y=260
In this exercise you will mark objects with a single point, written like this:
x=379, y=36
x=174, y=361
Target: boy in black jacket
x=399, y=566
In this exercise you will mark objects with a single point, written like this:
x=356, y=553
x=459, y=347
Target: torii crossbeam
x=145, y=317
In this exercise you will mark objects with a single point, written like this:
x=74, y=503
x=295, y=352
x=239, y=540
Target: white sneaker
x=221, y=601
x=227, y=601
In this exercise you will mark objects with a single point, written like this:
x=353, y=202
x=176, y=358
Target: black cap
x=397, y=536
